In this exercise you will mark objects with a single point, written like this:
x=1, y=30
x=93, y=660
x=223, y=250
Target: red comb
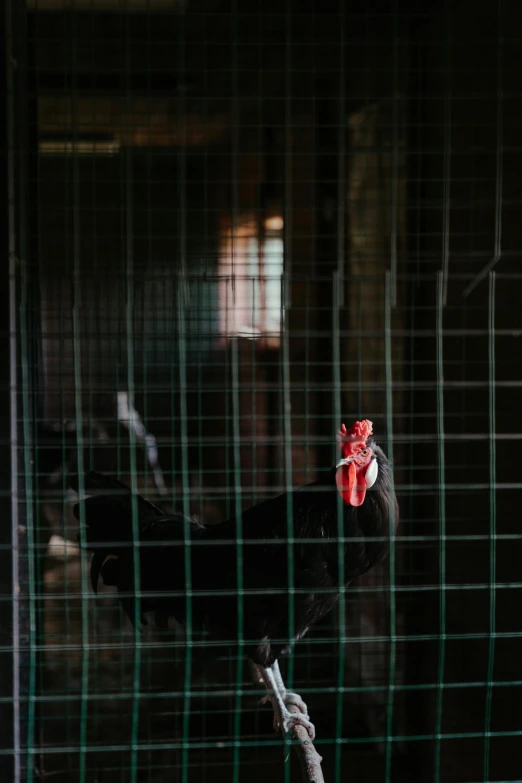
x=355, y=439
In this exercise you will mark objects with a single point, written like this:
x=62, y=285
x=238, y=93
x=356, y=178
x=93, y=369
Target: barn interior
x=235, y=225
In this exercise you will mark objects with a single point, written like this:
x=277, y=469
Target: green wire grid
x=256, y=221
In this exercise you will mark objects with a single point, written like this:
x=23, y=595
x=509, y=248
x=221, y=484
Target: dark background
x=386, y=136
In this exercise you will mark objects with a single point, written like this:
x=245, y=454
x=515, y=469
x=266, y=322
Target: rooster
x=357, y=489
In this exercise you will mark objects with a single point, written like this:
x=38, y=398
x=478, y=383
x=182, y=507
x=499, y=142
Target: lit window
x=250, y=271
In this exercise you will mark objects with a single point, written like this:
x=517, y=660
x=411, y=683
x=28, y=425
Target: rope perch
x=309, y=758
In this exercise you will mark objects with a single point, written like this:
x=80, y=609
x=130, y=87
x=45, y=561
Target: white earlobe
x=371, y=474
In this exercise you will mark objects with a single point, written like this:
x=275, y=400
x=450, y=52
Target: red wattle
x=350, y=484
x=358, y=490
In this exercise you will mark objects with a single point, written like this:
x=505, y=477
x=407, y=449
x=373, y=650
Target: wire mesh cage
x=233, y=226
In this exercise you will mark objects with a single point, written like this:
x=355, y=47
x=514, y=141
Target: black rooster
x=264, y=564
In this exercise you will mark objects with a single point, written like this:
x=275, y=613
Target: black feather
x=213, y=557
x=96, y=564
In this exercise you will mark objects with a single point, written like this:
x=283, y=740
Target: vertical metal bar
x=492, y=524
x=235, y=146
x=341, y=169
x=256, y=284
x=394, y=158
x=226, y=394
x=29, y=502
x=129, y=330
x=201, y=348
x=29, y=499
x=182, y=352
x=338, y=282
x=442, y=522
x=99, y=314
x=182, y=161
x=497, y=250
x=77, y=360
x=492, y=402
x=388, y=304
x=234, y=228
x=307, y=416
x=236, y=435
x=287, y=425
x=183, y=413
x=27, y=353
x=13, y=393
x=285, y=305
x=360, y=351
x=446, y=199
x=287, y=246
x=172, y=292
x=286, y=300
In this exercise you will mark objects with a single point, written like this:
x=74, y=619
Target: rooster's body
x=263, y=559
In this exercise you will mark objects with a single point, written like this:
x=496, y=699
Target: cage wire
x=233, y=226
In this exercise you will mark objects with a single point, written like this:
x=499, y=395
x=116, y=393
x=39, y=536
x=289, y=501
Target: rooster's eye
x=364, y=453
